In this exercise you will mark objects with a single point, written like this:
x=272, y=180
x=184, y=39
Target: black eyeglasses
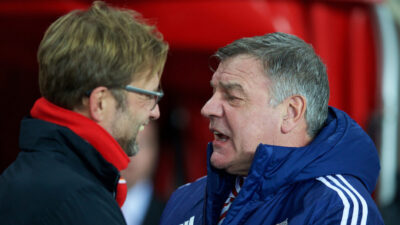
x=156, y=95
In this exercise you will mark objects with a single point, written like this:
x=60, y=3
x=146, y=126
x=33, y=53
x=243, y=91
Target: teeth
x=220, y=136
x=141, y=128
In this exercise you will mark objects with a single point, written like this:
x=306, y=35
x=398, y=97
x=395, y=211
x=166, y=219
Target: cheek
x=268, y=130
x=242, y=127
x=127, y=122
x=254, y=128
x=139, y=112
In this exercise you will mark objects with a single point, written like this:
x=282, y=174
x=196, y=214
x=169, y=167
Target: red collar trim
x=84, y=127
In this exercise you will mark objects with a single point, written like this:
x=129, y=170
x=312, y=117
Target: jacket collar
x=93, y=134
x=341, y=147
x=84, y=127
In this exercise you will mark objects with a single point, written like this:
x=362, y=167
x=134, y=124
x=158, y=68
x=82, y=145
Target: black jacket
x=58, y=178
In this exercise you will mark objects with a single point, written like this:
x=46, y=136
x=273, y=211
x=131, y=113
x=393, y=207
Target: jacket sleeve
x=186, y=205
x=337, y=215
x=85, y=206
x=343, y=203
x=349, y=213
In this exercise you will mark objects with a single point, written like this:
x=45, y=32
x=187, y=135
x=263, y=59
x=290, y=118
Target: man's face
x=239, y=112
x=127, y=121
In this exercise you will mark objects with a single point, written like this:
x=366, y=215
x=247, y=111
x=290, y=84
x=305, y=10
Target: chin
x=130, y=147
x=218, y=161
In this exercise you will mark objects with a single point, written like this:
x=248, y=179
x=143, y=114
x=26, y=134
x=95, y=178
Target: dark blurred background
x=357, y=39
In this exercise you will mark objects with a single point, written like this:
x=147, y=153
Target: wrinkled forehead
x=239, y=70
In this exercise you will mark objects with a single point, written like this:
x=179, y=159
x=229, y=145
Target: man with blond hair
x=99, y=76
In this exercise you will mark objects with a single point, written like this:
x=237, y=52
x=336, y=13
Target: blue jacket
x=330, y=181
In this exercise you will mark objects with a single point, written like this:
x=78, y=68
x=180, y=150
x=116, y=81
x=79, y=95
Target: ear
x=295, y=109
x=97, y=103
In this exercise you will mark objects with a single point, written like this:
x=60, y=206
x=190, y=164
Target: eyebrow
x=231, y=86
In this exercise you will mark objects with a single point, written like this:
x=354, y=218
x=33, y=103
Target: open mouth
x=220, y=136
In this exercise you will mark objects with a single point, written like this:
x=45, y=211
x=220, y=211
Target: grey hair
x=293, y=68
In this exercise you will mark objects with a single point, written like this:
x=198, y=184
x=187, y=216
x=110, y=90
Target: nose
x=212, y=107
x=155, y=113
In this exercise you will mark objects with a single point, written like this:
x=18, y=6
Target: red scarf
x=90, y=131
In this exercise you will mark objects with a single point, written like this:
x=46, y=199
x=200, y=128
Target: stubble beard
x=129, y=145
x=131, y=148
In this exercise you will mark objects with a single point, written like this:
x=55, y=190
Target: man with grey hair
x=280, y=154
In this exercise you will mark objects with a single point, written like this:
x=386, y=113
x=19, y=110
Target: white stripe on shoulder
x=353, y=199
x=187, y=184
x=363, y=202
x=342, y=196
x=201, y=178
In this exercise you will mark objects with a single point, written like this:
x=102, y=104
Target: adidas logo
x=284, y=222
x=188, y=222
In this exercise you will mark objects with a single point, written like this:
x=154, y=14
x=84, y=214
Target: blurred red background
x=342, y=33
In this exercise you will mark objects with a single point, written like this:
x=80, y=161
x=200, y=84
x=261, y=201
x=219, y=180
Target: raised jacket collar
x=331, y=152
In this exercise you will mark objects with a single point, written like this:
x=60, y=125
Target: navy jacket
x=330, y=181
x=58, y=178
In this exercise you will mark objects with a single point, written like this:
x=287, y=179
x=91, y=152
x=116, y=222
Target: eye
x=233, y=99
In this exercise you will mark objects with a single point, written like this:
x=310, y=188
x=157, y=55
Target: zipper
x=114, y=191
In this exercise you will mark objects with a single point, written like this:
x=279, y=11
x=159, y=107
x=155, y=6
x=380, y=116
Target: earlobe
x=97, y=102
x=295, y=107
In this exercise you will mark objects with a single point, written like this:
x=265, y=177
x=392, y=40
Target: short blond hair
x=101, y=46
